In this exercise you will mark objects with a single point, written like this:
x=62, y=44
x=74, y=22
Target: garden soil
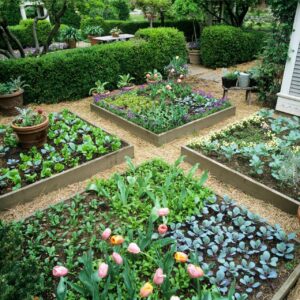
x=169, y=152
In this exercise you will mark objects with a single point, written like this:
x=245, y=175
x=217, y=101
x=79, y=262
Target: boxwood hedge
x=223, y=46
x=69, y=74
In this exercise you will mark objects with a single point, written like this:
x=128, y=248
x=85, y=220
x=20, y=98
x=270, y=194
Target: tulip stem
x=198, y=288
x=148, y=255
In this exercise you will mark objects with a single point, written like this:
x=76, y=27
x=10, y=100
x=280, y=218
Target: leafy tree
x=122, y=8
x=152, y=7
x=235, y=10
x=188, y=9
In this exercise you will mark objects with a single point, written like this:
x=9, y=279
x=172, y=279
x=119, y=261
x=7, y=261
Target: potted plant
x=99, y=91
x=31, y=127
x=11, y=95
x=194, y=52
x=254, y=76
x=115, y=32
x=153, y=77
x=177, y=68
x=71, y=36
x=125, y=82
x=92, y=32
x=229, y=79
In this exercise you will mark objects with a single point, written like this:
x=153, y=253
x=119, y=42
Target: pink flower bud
x=159, y=277
x=181, y=76
x=155, y=76
x=162, y=228
x=106, y=234
x=194, y=271
x=148, y=75
x=117, y=258
x=59, y=271
x=168, y=87
x=134, y=248
x=162, y=212
x=103, y=270
x=179, y=80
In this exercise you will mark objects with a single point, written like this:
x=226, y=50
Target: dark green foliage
x=20, y=277
x=223, y=46
x=10, y=9
x=122, y=9
x=23, y=32
x=71, y=18
x=69, y=75
x=130, y=27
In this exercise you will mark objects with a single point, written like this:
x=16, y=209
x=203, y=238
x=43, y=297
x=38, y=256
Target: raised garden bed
x=76, y=150
x=259, y=155
x=129, y=204
x=162, y=112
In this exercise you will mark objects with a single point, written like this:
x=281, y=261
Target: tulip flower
x=174, y=298
x=180, y=257
x=146, y=290
x=148, y=75
x=103, y=270
x=172, y=70
x=179, y=80
x=159, y=277
x=40, y=111
x=162, y=228
x=181, y=76
x=195, y=271
x=162, y=212
x=117, y=258
x=168, y=87
x=155, y=76
x=134, y=248
x=59, y=271
x=106, y=234
x=116, y=240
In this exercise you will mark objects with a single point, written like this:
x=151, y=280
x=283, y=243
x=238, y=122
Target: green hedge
x=132, y=27
x=69, y=74
x=23, y=32
x=223, y=46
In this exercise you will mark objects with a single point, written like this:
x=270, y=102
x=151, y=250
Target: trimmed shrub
x=223, y=46
x=11, y=9
x=132, y=27
x=69, y=74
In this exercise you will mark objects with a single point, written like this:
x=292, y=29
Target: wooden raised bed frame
x=60, y=180
x=241, y=181
x=165, y=137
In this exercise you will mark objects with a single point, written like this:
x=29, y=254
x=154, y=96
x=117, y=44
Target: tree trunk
x=55, y=28
x=5, y=38
x=162, y=18
x=35, y=37
x=16, y=40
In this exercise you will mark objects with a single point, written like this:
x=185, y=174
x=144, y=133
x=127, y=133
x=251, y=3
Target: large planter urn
x=194, y=56
x=32, y=135
x=8, y=102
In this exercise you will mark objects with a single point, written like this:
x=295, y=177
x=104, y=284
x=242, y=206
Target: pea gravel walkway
x=145, y=151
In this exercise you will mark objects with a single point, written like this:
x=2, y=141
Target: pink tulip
x=181, y=76
x=159, y=277
x=194, y=271
x=148, y=75
x=60, y=271
x=168, y=87
x=117, y=258
x=155, y=76
x=103, y=270
x=162, y=212
x=134, y=248
x=162, y=228
x=179, y=80
x=106, y=234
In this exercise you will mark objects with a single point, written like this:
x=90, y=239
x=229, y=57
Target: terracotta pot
x=92, y=40
x=194, y=56
x=115, y=35
x=10, y=101
x=32, y=135
x=72, y=44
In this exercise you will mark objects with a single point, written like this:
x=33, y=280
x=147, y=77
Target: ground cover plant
x=264, y=147
x=71, y=142
x=112, y=241
x=162, y=106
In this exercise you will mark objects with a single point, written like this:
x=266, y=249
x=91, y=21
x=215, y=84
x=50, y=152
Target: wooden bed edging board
x=166, y=137
x=60, y=180
x=241, y=181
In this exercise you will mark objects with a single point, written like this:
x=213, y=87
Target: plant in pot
x=115, y=32
x=98, y=91
x=177, y=68
x=125, y=82
x=229, y=79
x=153, y=77
x=194, y=52
x=11, y=95
x=254, y=76
x=31, y=127
x=71, y=35
x=92, y=32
